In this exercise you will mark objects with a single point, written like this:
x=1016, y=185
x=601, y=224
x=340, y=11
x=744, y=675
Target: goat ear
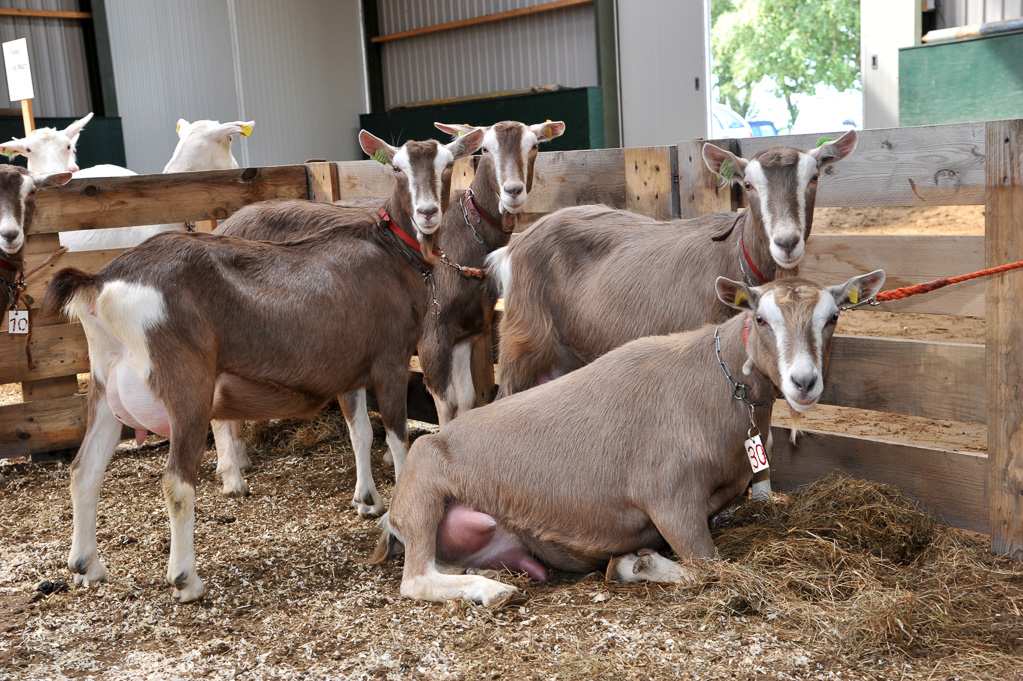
x=72, y=130
x=14, y=147
x=243, y=128
x=736, y=294
x=52, y=180
x=455, y=129
x=545, y=132
x=724, y=164
x=376, y=148
x=836, y=150
x=858, y=289
x=467, y=144
x=182, y=128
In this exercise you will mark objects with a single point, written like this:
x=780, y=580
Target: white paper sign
x=756, y=453
x=17, y=321
x=19, y=75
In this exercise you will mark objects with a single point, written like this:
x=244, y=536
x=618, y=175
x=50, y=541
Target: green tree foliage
x=796, y=44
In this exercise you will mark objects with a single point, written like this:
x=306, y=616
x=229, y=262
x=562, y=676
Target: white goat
x=202, y=145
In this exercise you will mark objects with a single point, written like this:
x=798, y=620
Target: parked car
x=763, y=128
x=727, y=123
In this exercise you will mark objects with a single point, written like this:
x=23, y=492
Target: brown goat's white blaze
x=498, y=193
x=186, y=328
x=597, y=470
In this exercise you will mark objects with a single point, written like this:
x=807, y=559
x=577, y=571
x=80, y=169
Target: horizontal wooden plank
x=33, y=427
x=907, y=260
x=574, y=178
x=58, y=350
x=918, y=378
x=916, y=166
x=357, y=179
x=950, y=485
x=157, y=199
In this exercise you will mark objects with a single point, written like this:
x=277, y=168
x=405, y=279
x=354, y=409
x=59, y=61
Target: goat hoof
x=88, y=570
x=238, y=488
x=367, y=511
x=387, y=457
x=190, y=592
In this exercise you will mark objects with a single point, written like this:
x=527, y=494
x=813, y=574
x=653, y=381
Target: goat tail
x=66, y=293
x=390, y=543
x=498, y=264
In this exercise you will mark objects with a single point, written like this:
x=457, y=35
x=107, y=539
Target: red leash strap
x=907, y=291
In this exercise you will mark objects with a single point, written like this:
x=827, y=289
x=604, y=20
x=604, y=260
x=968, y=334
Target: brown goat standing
x=189, y=327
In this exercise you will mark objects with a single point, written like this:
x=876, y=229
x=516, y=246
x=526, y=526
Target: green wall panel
x=977, y=79
x=580, y=108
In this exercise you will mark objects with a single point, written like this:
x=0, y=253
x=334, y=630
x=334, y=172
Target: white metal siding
x=884, y=28
x=661, y=53
x=953, y=13
x=297, y=73
x=56, y=54
x=551, y=48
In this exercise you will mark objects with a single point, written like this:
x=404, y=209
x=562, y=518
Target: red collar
x=753, y=268
x=386, y=220
x=745, y=330
x=7, y=266
x=477, y=212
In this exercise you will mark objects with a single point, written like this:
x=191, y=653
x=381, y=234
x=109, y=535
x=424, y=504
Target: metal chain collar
x=739, y=390
x=427, y=275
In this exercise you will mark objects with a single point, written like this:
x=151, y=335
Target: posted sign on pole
x=19, y=78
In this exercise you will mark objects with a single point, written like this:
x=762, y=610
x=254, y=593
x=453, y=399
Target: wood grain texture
x=950, y=485
x=906, y=260
x=356, y=179
x=574, y=178
x=650, y=174
x=32, y=427
x=1004, y=218
x=933, y=165
x=58, y=350
x=322, y=179
x=90, y=261
x=918, y=378
x=156, y=199
x=700, y=191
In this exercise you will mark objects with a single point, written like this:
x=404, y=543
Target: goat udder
x=473, y=539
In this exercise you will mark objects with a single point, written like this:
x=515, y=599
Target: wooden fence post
x=1004, y=244
x=323, y=184
x=700, y=191
x=650, y=177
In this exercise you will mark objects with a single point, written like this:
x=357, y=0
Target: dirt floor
x=848, y=581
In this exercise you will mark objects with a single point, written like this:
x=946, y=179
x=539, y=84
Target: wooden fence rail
x=962, y=164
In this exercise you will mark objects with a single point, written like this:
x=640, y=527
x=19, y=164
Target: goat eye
x=834, y=318
x=451, y=165
x=814, y=178
x=485, y=150
x=397, y=170
x=536, y=146
x=747, y=186
x=27, y=150
x=761, y=321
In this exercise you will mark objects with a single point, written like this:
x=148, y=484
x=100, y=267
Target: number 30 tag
x=17, y=321
x=756, y=453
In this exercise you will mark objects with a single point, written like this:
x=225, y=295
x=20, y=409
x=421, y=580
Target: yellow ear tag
x=178, y=129
x=547, y=131
x=246, y=130
x=854, y=295
x=740, y=297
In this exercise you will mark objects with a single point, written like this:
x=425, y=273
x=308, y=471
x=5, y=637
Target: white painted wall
x=663, y=48
x=885, y=26
x=296, y=68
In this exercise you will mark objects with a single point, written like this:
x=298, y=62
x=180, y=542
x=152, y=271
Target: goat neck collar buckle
x=740, y=391
x=754, y=271
x=470, y=207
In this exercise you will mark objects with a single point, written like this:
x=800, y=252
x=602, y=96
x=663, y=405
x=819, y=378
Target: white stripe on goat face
x=784, y=221
x=12, y=222
x=510, y=163
x=425, y=188
x=799, y=343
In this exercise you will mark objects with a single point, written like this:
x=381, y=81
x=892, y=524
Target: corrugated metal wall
x=297, y=69
x=558, y=47
x=57, y=57
x=952, y=13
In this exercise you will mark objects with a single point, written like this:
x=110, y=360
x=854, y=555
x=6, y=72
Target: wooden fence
x=961, y=164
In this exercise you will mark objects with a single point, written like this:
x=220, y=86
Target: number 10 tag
x=17, y=321
x=756, y=453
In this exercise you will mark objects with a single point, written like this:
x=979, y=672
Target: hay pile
x=844, y=579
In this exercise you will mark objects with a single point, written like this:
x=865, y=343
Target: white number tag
x=17, y=321
x=756, y=453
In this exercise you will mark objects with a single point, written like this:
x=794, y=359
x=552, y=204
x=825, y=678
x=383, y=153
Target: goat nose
x=428, y=212
x=514, y=189
x=9, y=235
x=805, y=383
x=787, y=244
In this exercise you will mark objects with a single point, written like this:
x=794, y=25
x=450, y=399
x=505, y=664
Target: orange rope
x=907, y=291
